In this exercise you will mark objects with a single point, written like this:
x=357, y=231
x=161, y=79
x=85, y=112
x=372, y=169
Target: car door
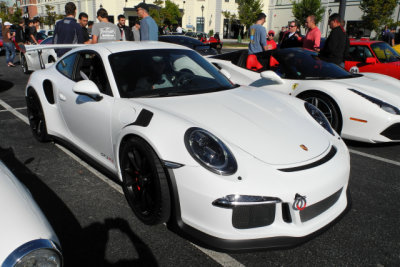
x=88, y=120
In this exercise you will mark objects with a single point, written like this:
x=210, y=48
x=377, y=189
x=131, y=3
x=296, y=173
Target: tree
x=377, y=13
x=169, y=14
x=305, y=8
x=248, y=11
x=50, y=19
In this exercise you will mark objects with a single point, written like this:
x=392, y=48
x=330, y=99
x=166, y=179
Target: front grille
x=252, y=216
x=392, y=132
x=316, y=209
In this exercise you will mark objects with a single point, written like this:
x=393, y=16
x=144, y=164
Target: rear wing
x=39, y=48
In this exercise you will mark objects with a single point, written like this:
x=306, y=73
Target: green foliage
x=248, y=11
x=16, y=16
x=168, y=15
x=377, y=13
x=211, y=32
x=50, y=19
x=305, y=8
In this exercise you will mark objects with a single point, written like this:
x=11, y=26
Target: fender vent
x=48, y=91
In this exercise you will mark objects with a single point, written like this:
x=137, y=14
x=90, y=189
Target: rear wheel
x=36, y=117
x=328, y=106
x=144, y=182
x=24, y=64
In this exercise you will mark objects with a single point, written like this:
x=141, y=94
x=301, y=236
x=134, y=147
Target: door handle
x=62, y=97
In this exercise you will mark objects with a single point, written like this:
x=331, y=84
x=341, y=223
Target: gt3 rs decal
x=107, y=157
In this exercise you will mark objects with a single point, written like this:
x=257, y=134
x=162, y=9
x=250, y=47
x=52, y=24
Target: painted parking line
x=374, y=157
x=221, y=258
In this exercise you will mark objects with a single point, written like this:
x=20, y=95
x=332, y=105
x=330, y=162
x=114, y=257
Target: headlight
x=319, y=117
x=210, y=152
x=40, y=252
x=383, y=105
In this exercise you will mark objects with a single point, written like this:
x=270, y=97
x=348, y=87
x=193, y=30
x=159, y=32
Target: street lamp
x=329, y=14
x=202, y=18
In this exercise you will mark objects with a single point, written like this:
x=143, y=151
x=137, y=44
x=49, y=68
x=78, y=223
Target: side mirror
x=271, y=75
x=87, y=88
x=370, y=60
x=225, y=73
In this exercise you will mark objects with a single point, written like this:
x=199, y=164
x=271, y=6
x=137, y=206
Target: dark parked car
x=190, y=42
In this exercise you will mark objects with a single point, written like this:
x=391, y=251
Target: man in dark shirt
x=291, y=38
x=126, y=32
x=83, y=21
x=68, y=31
x=334, y=48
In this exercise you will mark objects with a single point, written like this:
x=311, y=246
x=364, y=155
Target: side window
x=66, y=66
x=90, y=67
x=359, y=53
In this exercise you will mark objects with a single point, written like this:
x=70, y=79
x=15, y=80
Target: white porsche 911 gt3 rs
x=233, y=167
x=363, y=107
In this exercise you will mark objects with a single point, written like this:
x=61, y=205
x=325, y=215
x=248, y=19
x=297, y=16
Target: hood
x=380, y=86
x=269, y=126
x=22, y=220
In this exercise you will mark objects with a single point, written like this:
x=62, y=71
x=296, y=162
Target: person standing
x=90, y=26
x=83, y=21
x=271, y=44
x=136, y=31
x=67, y=30
x=334, y=48
x=126, y=32
x=257, y=44
x=20, y=35
x=179, y=29
x=148, y=27
x=312, y=39
x=8, y=44
x=104, y=31
x=31, y=33
x=291, y=38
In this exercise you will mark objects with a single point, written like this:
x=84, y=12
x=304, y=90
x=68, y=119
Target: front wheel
x=327, y=106
x=144, y=182
x=36, y=117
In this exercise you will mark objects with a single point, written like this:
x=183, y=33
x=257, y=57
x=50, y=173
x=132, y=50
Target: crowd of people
x=335, y=49
x=83, y=31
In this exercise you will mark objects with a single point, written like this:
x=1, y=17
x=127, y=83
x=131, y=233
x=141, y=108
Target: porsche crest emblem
x=294, y=86
x=300, y=202
x=304, y=147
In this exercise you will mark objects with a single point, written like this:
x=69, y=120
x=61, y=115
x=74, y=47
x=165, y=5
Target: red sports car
x=373, y=56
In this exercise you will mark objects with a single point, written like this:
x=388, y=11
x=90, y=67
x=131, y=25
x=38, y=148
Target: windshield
x=384, y=52
x=305, y=65
x=165, y=72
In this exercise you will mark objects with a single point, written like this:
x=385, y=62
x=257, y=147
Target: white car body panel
x=22, y=220
x=264, y=130
x=351, y=105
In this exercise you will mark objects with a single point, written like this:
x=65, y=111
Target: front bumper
x=279, y=225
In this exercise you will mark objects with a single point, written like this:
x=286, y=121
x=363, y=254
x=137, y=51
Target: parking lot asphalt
x=97, y=228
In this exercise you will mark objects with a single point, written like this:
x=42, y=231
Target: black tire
x=145, y=182
x=24, y=64
x=36, y=117
x=328, y=106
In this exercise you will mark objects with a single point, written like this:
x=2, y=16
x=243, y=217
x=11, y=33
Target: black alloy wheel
x=327, y=106
x=36, y=117
x=24, y=64
x=145, y=182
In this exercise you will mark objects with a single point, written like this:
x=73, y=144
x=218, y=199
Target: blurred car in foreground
x=26, y=237
x=373, y=56
x=190, y=42
x=232, y=166
x=363, y=107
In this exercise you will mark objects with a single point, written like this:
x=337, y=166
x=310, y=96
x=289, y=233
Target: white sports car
x=233, y=167
x=31, y=61
x=363, y=107
x=26, y=237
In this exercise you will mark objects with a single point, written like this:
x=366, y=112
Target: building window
x=227, y=1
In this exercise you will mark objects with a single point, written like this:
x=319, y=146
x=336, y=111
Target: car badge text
x=300, y=202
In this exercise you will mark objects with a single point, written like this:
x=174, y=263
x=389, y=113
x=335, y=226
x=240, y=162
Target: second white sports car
x=363, y=107
x=234, y=167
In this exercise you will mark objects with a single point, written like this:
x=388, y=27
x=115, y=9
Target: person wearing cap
x=67, y=30
x=8, y=44
x=104, y=31
x=291, y=38
x=334, y=48
x=148, y=27
x=271, y=44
